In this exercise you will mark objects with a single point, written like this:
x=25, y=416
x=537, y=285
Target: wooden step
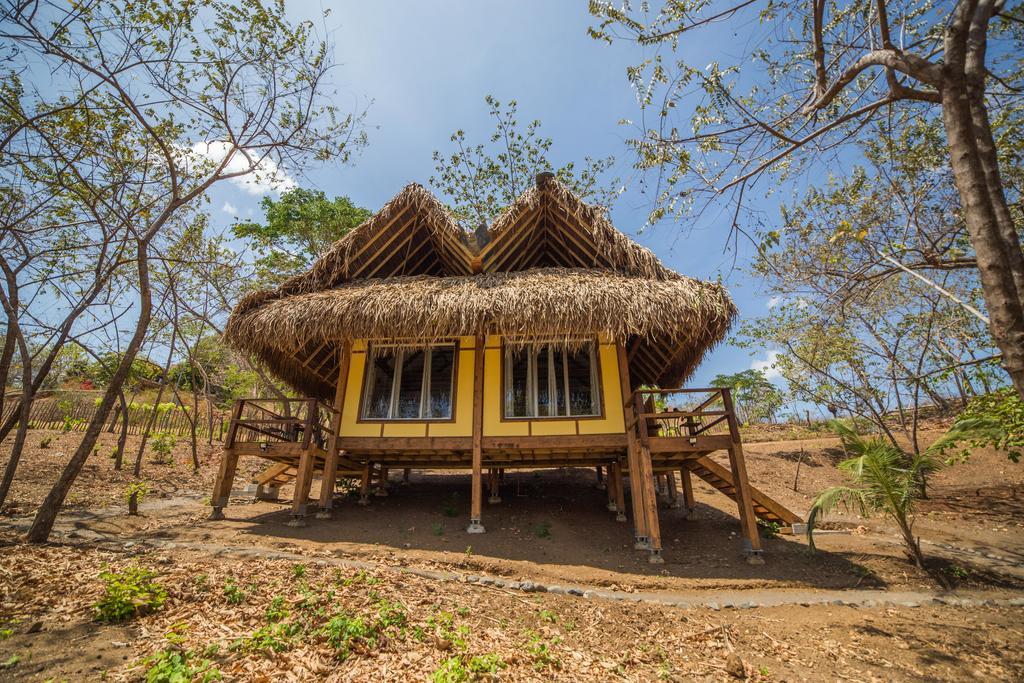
x=720, y=478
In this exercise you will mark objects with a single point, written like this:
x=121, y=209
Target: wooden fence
x=75, y=414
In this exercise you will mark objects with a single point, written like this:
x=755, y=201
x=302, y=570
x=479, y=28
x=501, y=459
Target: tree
x=177, y=98
x=883, y=480
x=298, y=227
x=754, y=396
x=480, y=180
x=829, y=68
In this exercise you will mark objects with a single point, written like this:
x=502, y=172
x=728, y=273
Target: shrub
x=271, y=638
x=138, y=489
x=233, y=593
x=163, y=444
x=128, y=594
x=995, y=420
x=45, y=443
x=452, y=670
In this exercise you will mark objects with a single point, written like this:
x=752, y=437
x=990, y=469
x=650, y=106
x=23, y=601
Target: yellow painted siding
x=611, y=423
x=350, y=426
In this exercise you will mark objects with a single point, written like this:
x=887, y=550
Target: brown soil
x=552, y=528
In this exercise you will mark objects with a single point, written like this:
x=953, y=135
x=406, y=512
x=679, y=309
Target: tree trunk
x=42, y=525
x=123, y=437
x=976, y=174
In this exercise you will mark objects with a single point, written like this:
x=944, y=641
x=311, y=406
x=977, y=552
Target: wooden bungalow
x=548, y=340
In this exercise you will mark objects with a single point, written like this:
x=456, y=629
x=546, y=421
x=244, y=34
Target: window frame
x=597, y=382
x=401, y=350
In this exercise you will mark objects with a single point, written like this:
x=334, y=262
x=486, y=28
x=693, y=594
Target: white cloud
x=774, y=301
x=767, y=365
x=230, y=209
x=264, y=177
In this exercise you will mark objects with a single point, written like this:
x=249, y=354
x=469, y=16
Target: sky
x=422, y=71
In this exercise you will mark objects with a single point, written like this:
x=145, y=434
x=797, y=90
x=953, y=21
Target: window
x=409, y=384
x=551, y=380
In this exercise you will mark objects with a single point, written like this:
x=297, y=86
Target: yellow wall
x=611, y=423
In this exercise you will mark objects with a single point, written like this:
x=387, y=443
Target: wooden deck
x=301, y=440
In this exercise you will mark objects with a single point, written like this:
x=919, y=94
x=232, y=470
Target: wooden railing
x=292, y=420
x=686, y=413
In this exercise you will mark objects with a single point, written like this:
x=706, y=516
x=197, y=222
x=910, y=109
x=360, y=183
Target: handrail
x=306, y=429
x=686, y=422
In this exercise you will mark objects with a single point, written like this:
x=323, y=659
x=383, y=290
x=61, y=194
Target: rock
x=734, y=666
x=35, y=627
x=527, y=586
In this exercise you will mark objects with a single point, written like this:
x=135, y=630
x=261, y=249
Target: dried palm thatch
x=681, y=316
x=409, y=272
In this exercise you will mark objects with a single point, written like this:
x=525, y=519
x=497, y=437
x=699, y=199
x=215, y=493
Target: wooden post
x=673, y=492
x=405, y=475
x=304, y=473
x=650, y=496
x=600, y=478
x=748, y=522
x=382, y=483
x=620, y=492
x=632, y=451
x=228, y=463
x=364, y=484
x=475, y=527
x=688, y=502
x=495, y=486
x=330, y=475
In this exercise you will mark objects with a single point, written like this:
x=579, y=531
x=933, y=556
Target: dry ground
x=550, y=528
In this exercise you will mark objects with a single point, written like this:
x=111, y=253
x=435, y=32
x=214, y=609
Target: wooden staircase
x=721, y=479
x=277, y=474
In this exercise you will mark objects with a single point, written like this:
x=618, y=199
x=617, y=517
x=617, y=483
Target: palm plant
x=883, y=478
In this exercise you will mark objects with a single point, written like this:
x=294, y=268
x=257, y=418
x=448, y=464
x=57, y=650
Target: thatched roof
x=553, y=267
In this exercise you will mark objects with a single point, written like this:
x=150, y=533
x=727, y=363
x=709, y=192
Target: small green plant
x=542, y=530
x=345, y=632
x=957, y=572
x=276, y=610
x=6, y=633
x=136, y=489
x=270, y=638
x=174, y=665
x=452, y=670
x=201, y=582
x=443, y=625
x=548, y=616
x=469, y=553
x=10, y=662
x=482, y=665
x=542, y=653
x=128, y=594
x=437, y=528
x=299, y=570
x=363, y=577
x=233, y=594
x=763, y=671
x=769, y=529
x=163, y=444
x=45, y=443
x=390, y=614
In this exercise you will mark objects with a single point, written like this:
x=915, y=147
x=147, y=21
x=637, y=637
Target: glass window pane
x=558, y=370
x=410, y=386
x=544, y=404
x=439, y=394
x=582, y=377
x=379, y=379
x=518, y=402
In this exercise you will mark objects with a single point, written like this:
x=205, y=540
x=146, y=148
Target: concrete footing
x=475, y=527
x=620, y=517
x=641, y=543
x=297, y=521
x=217, y=513
x=655, y=557
x=363, y=501
x=324, y=514
x=494, y=500
x=267, y=492
x=612, y=507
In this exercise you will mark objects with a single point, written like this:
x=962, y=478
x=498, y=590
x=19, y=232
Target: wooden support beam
x=304, y=475
x=475, y=527
x=673, y=492
x=688, y=501
x=495, y=486
x=647, y=486
x=225, y=480
x=632, y=451
x=748, y=523
x=330, y=475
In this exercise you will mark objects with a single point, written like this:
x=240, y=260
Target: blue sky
x=423, y=70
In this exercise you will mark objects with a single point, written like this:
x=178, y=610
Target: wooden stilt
x=648, y=485
x=330, y=476
x=673, y=492
x=364, y=484
x=632, y=451
x=688, y=502
x=304, y=474
x=748, y=522
x=382, y=483
x=494, y=485
x=476, y=504
x=228, y=463
x=600, y=478
x=405, y=475
x=620, y=492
